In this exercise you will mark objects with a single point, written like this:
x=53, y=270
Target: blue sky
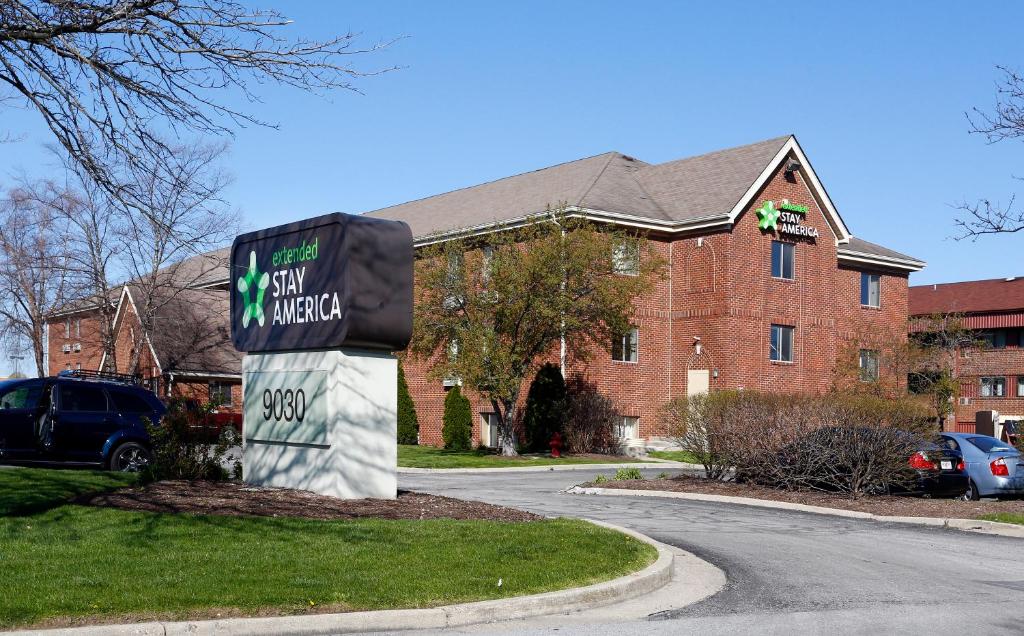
x=875, y=92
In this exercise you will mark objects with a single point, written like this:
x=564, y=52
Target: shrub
x=457, y=427
x=178, y=453
x=600, y=479
x=590, y=420
x=545, y=407
x=698, y=424
x=628, y=474
x=408, y=425
x=662, y=475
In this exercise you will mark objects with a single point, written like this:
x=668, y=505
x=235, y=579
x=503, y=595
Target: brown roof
x=682, y=190
x=976, y=296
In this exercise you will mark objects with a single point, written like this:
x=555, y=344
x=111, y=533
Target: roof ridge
x=477, y=185
x=719, y=151
x=597, y=177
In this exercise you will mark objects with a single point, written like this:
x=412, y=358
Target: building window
x=870, y=290
x=868, y=365
x=627, y=427
x=993, y=387
x=489, y=430
x=1000, y=338
x=220, y=394
x=67, y=328
x=78, y=327
x=624, y=346
x=1020, y=386
x=782, y=259
x=626, y=257
x=781, y=349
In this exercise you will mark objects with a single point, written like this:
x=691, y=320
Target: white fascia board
x=208, y=374
x=629, y=220
x=909, y=265
x=835, y=221
x=131, y=300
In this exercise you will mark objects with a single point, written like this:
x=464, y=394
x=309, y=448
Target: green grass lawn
x=64, y=563
x=1005, y=517
x=429, y=457
x=676, y=456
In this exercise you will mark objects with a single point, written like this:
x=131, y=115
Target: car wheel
x=972, y=493
x=130, y=458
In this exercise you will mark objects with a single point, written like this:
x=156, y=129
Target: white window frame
x=626, y=257
x=628, y=345
x=869, y=373
x=995, y=385
x=873, y=281
x=786, y=249
x=775, y=353
x=489, y=423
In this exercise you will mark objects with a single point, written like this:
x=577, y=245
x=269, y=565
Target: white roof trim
x=818, y=191
x=851, y=256
x=207, y=374
x=117, y=329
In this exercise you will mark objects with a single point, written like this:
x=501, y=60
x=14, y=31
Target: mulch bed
x=890, y=506
x=238, y=499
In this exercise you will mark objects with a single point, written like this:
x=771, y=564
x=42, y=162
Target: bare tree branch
x=111, y=78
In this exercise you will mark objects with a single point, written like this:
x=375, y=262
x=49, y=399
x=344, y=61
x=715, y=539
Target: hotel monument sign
x=319, y=306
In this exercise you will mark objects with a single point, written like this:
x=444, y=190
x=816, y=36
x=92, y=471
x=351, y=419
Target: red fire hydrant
x=556, y=444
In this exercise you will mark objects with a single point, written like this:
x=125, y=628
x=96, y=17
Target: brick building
x=741, y=306
x=992, y=372
x=188, y=355
x=765, y=287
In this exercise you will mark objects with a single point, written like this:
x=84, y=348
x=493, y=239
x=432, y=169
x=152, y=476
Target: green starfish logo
x=767, y=216
x=253, y=281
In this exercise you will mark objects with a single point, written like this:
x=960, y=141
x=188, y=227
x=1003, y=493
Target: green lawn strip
x=429, y=457
x=1005, y=517
x=676, y=456
x=73, y=563
x=30, y=490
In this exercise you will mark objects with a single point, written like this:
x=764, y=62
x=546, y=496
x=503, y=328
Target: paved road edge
x=969, y=525
x=652, y=464
x=624, y=588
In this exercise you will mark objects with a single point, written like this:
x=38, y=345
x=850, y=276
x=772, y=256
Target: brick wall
x=972, y=365
x=719, y=288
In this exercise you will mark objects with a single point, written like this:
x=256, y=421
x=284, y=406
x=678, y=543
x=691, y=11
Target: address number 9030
x=287, y=405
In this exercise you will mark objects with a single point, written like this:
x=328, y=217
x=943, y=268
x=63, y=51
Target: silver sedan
x=995, y=468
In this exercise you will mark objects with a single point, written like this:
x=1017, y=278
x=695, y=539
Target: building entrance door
x=697, y=381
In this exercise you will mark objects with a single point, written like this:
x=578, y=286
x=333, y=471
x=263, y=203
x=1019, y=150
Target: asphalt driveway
x=788, y=572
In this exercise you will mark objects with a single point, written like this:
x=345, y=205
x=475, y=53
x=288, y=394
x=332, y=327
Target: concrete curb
x=649, y=464
x=617, y=590
x=969, y=525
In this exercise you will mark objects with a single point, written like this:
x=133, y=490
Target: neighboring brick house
x=991, y=374
x=722, y=318
x=192, y=358
x=740, y=307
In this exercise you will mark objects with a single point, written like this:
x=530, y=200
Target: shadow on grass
x=28, y=491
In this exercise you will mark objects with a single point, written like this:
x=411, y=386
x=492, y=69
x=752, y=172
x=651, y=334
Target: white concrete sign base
x=323, y=421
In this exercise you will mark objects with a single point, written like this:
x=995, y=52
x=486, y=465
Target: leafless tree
x=94, y=226
x=113, y=78
x=34, y=276
x=180, y=215
x=1005, y=121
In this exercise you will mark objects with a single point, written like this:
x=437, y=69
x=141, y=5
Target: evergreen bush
x=545, y=407
x=408, y=425
x=457, y=430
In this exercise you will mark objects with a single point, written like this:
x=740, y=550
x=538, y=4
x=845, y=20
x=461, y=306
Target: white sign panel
x=286, y=406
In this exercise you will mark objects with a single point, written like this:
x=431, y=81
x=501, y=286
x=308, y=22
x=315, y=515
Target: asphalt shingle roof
x=975, y=296
x=681, y=190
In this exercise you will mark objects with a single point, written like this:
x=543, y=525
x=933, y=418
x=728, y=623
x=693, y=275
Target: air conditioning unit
x=66, y=348
x=965, y=401
x=78, y=346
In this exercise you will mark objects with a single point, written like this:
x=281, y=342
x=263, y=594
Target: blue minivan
x=75, y=417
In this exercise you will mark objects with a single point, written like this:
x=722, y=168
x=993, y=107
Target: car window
x=951, y=443
x=82, y=398
x=989, y=444
x=25, y=396
x=125, y=402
